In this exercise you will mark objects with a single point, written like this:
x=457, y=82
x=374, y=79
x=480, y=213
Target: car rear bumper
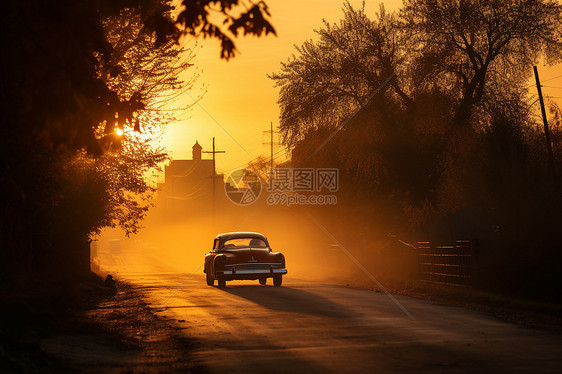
x=251, y=271
x=249, y=274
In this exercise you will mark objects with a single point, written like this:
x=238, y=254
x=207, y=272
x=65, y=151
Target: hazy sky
x=241, y=101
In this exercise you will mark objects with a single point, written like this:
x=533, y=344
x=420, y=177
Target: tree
x=328, y=79
x=55, y=53
x=69, y=73
x=449, y=148
x=355, y=64
x=449, y=62
x=143, y=70
x=262, y=167
x=195, y=20
x=462, y=45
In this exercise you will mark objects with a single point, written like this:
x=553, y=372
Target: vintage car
x=243, y=255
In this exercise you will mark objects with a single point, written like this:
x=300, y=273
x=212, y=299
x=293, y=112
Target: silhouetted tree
x=463, y=44
x=447, y=62
x=67, y=72
x=262, y=167
x=329, y=78
x=393, y=143
x=138, y=68
x=450, y=147
x=236, y=17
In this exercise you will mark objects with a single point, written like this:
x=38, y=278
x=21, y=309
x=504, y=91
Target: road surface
x=313, y=327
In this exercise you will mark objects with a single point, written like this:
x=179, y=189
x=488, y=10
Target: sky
x=240, y=101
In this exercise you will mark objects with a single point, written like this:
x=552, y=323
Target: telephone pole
x=546, y=131
x=214, y=176
x=271, y=143
x=271, y=161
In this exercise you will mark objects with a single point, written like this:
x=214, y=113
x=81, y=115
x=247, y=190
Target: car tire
x=221, y=282
x=277, y=280
x=210, y=280
x=263, y=281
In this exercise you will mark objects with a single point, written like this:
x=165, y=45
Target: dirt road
x=318, y=328
x=311, y=326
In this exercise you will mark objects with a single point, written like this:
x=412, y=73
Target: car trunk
x=248, y=255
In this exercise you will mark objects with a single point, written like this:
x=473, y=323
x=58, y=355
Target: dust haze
x=177, y=242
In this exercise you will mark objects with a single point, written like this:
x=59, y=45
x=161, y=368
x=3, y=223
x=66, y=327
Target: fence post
x=460, y=264
x=432, y=252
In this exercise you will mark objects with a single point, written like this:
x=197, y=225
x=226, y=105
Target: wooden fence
x=451, y=265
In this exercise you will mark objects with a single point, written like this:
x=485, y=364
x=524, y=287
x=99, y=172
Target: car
x=243, y=255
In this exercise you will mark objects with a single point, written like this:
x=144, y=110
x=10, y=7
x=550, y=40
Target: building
x=188, y=185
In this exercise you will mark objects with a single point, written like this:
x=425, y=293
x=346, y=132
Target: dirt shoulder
x=528, y=313
x=541, y=315
x=115, y=334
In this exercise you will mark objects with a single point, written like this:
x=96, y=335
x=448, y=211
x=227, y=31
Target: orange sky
x=240, y=101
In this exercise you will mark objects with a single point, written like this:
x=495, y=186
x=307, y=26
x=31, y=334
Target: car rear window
x=243, y=243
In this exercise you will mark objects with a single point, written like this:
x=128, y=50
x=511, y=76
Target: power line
x=549, y=79
x=546, y=80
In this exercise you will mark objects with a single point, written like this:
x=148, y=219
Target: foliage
x=74, y=72
x=146, y=71
x=463, y=45
x=113, y=187
x=195, y=20
x=404, y=86
x=359, y=64
x=262, y=167
x=427, y=114
x=330, y=78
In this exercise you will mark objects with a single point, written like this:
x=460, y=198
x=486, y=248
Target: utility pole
x=271, y=161
x=271, y=143
x=214, y=176
x=546, y=131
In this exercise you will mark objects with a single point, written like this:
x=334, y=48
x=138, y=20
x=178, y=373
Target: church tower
x=197, y=151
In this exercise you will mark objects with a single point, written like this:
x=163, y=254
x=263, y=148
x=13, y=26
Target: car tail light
x=279, y=257
x=223, y=259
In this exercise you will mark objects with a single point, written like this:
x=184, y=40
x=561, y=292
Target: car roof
x=241, y=234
